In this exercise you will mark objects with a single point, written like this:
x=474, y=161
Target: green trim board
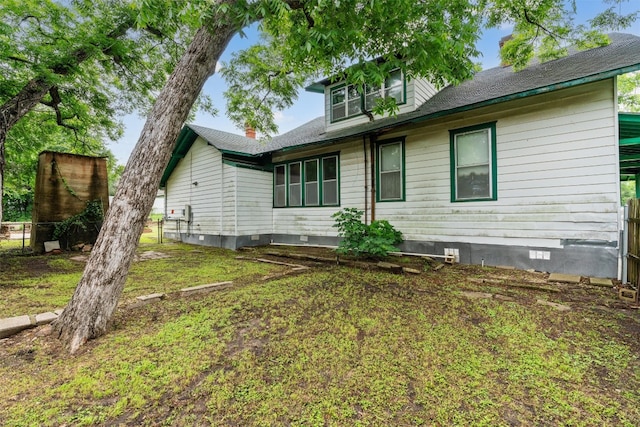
x=629, y=144
x=476, y=186
x=321, y=181
x=380, y=145
x=630, y=141
x=264, y=168
x=185, y=140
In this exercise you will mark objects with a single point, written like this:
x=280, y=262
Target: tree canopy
x=72, y=69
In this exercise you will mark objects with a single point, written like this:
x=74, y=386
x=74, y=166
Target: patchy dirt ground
x=340, y=346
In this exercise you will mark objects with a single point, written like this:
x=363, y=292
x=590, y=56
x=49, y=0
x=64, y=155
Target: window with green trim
x=295, y=184
x=473, y=163
x=390, y=170
x=347, y=102
x=330, y=195
x=307, y=182
x=280, y=186
x=311, y=182
x=393, y=87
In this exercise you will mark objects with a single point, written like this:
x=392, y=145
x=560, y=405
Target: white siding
x=317, y=221
x=255, y=201
x=423, y=91
x=202, y=164
x=229, y=189
x=557, y=174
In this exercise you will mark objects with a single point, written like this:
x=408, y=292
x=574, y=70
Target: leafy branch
x=93, y=213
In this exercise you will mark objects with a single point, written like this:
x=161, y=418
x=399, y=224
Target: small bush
x=359, y=239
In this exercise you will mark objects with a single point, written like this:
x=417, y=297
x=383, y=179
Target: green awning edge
x=185, y=141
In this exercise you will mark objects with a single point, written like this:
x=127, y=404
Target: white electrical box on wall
x=187, y=213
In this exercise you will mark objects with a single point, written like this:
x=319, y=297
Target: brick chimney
x=249, y=132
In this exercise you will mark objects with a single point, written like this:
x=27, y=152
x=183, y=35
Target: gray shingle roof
x=487, y=87
x=225, y=141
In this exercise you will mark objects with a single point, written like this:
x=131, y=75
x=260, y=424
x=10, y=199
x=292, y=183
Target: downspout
x=221, y=203
x=372, y=143
x=366, y=194
x=622, y=226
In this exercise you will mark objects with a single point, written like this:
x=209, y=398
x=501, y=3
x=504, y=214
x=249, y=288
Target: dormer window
x=347, y=102
x=393, y=87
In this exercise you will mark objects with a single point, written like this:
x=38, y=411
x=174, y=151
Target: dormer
x=343, y=104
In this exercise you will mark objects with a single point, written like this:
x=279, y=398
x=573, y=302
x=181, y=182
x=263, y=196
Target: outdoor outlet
x=201, y=238
x=255, y=237
x=304, y=238
x=453, y=251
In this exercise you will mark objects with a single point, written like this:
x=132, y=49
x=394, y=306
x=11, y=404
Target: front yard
x=332, y=345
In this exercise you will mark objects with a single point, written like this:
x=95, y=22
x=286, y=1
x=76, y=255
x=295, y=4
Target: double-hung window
x=311, y=182
x=330, y=181
x=280, y=186
x=393, y=87
x=308, y=182
x=473, y=163
x=390, y=170
x=295, y=184
x=345, y=102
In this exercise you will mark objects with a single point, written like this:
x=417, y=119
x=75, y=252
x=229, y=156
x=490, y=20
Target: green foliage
x=251, y=76
x=629, y=92
x=100, y=59
x=627, y=191
x=546, y=29
x=359, y=239
x=92, y=214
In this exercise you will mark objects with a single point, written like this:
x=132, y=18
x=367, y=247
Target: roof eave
x=185, y=140
x=438, y=114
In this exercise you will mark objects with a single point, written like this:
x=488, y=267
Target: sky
x=310, y=105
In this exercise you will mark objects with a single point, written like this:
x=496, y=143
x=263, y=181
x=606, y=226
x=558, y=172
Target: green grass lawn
x=333, y=346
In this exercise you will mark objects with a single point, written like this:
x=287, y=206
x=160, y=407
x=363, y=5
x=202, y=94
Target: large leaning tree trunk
x=96, y=296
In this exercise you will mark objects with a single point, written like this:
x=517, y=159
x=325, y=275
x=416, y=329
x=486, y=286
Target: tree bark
x=96, y=297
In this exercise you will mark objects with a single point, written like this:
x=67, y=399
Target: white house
x=510, y=168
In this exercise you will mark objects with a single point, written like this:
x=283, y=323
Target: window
x=280, y=187
x=295, y=184
x=310, y=182
x=393, y=87
x=390, y=171
x=330, y=180
x=347, y=102
x=338, y=104
x=473, y=163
